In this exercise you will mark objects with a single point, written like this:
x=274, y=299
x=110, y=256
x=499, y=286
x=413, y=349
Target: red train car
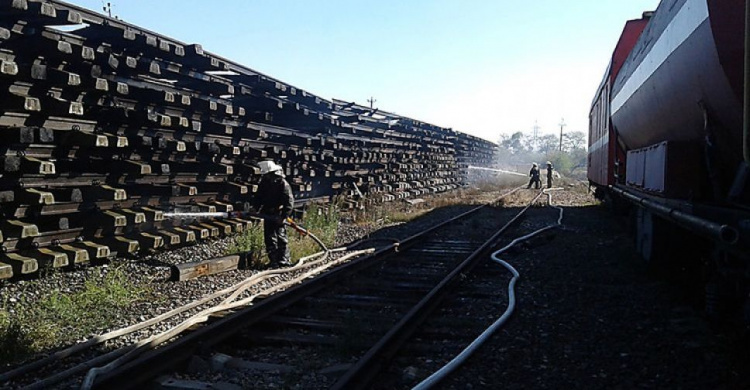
x=605, y=158
x=667, y=133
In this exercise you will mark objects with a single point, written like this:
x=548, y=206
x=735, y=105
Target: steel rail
x=446, y=370
x=170, y=356
x=362, y=373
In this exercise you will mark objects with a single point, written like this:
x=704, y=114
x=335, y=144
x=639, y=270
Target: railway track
x=77, y=359
x=347, y=323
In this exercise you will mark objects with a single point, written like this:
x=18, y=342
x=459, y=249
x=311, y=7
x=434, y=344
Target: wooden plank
x=192, y=270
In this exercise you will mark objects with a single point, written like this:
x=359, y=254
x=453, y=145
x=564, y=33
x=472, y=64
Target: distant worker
x=549, y=174
x=534, y=173
x=275, y=199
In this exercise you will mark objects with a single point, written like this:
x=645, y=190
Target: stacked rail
x=104, y=125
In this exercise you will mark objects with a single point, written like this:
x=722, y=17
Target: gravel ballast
x=590, y=314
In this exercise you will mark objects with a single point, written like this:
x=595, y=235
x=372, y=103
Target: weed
x=61, y=318
x=251, y=242
x=14, y=340
x=322, y=221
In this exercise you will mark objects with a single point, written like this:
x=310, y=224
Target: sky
x=483, y=67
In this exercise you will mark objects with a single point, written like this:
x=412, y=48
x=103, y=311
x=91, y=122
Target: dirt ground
x=591, y=315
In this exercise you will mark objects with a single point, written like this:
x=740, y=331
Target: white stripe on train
x=692, y=14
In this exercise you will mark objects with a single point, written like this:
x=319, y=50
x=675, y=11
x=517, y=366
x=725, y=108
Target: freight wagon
x=667, y=133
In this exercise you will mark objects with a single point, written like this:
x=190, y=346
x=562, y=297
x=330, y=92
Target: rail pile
x=104, y=125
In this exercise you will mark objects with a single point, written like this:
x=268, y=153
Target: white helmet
x=268, y=167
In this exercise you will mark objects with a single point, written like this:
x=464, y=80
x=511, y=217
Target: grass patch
x=400, y=211
x=59, y=318
x=250, y=241
x=322, y=221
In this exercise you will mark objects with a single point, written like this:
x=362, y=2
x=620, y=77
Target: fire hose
x=443, y=372
x=288, y=221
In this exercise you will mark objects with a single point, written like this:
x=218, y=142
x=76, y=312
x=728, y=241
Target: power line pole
x=372, y=101
x=562, y=124
x=536, y=134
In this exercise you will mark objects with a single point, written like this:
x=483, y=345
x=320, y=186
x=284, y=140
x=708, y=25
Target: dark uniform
x=274, y=197
x=534, y=173
x=549, y=174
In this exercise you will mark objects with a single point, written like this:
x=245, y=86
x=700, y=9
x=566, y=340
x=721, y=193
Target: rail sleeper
x=197, y=269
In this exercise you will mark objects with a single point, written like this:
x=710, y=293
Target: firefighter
x=534, y=173
x=274, y=198
x=549, y=174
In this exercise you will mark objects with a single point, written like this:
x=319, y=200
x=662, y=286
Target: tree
x=517, y=151
x=548, y=144
x=573, y=141
x=514, y=143
x=561, y=162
